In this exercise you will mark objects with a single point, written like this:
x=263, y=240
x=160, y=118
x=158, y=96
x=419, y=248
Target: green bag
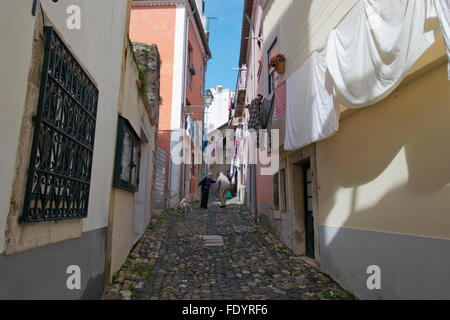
x=229, y=195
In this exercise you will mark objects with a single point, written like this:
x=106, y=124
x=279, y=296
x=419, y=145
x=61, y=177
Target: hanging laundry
x=193, y=128
x=265, y=112
x=189, y=126
x=197, y=132
x=374, y=47
x=311, y=113
x=254, y=109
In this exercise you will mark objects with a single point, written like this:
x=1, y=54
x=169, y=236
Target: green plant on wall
x=144, y=85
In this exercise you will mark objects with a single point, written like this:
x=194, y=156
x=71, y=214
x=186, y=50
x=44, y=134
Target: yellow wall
x=122, y=202
x=388, y=168
x=122, y=227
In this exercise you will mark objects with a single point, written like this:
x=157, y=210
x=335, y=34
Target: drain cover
x=213, y=241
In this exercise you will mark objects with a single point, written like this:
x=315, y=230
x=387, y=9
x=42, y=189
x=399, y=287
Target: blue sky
x=225, y=42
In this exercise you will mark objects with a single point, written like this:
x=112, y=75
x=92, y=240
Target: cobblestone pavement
x=171, y=262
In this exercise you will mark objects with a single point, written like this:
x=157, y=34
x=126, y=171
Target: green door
x=309, y=219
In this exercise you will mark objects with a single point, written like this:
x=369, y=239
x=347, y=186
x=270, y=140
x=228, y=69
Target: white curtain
x=365, y=59
x=443, y=10
x=376, y=44
x=311, y=113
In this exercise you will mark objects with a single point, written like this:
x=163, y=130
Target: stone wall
x=148, y=60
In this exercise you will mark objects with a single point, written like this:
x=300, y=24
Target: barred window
x=128, y=154
x=59, y=173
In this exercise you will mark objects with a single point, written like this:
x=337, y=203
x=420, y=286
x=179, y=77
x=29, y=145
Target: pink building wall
x=157, y=24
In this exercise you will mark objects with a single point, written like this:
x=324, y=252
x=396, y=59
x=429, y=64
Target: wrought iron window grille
x=60, y=168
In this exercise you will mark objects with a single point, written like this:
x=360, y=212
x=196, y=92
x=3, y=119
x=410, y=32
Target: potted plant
x=278, y=62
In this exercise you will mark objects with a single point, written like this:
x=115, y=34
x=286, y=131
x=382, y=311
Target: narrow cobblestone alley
x=177, y=259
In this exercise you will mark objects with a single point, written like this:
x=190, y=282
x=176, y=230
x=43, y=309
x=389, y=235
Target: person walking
x=224, y=186
x=205, y=184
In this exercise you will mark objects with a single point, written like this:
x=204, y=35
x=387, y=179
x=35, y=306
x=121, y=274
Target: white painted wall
x=217, y=113
x=16, y=30
x=177, y=97
x=98, y=46
x=199, y=4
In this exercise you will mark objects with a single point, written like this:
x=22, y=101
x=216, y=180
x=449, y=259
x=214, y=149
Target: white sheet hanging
x=376, y=44
x=311, y=113
x=443, y=11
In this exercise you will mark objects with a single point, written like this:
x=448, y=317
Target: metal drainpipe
x=186, y=70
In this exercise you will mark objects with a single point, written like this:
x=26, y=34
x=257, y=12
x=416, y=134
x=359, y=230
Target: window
x=59, y=173
x=259, y=70
x=273, y=75
x=128, y=154
x=189, y=67
x=283, y=199
x=276, y=194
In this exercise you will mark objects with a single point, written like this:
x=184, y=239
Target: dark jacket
x=206, y=183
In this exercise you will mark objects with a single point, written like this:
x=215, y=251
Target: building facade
x=60, y=82
x=132, y=194
x=178, y=29
x=369, y=190
x=218, y=113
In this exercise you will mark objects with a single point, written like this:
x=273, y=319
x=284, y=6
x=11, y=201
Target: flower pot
x=281, y=66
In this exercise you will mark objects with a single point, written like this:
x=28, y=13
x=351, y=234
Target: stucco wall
x=101, y=57
x=387, y=168
x=217, y=114
x=99, y=45
x=122, y=227
x=107, y=52
x=253, y=68
x=177, y=103
x=194, y=95
x=157, y=25
x=41, y=273
x=384, y=192
x=123, y=202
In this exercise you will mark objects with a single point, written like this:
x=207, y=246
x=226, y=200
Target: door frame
x=296, y=161
x=305, y=167
x=143, y=186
